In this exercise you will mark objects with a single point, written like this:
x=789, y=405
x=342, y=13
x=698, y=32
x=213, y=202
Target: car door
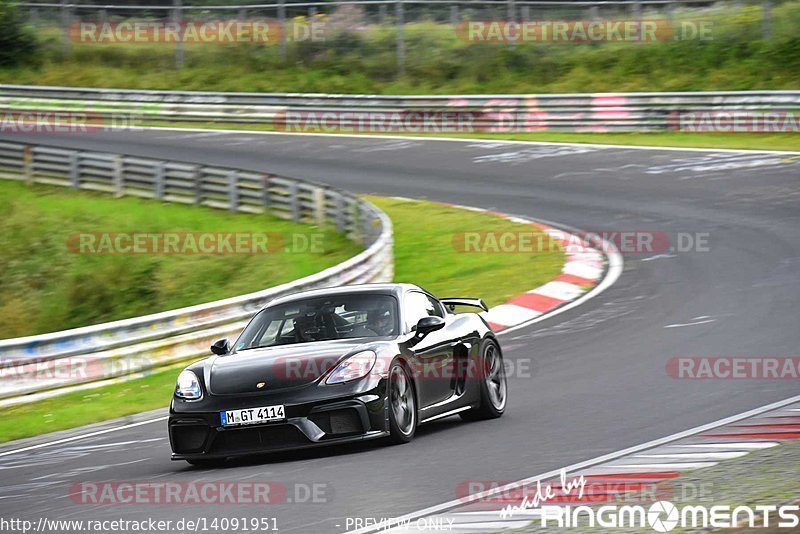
x=434, y=366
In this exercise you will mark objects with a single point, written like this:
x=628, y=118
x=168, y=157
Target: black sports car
x=338, y=365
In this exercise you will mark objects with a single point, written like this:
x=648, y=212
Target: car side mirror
x=221, y=347
x=426, y=325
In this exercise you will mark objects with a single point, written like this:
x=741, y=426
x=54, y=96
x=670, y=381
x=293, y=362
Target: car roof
x=395, y=289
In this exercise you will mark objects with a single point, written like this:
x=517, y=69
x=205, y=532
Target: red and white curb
x=651, y=465
x=585, y=267
x=581, y=272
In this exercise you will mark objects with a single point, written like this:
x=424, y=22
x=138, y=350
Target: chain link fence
x=309, y=28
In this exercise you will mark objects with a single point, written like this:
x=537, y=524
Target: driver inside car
x=306, y=330
x=380, y=321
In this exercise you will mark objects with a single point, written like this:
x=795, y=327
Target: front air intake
x=338, y=422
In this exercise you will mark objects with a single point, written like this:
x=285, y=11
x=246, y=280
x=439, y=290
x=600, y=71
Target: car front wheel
x=402, y=405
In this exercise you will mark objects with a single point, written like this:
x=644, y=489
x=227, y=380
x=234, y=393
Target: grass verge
x=424, y=254
x=48, y=283
x=84, y=407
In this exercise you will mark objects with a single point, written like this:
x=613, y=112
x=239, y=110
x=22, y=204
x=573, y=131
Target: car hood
x=275, y=368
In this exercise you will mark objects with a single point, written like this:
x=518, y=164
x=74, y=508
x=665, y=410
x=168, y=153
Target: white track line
x=748, y=445
x=583, y=465
x=674, y=466
x=82, y=436
x=469, y=140
x=693, y=455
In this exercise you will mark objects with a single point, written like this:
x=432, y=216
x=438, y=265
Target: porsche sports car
x=338, y=365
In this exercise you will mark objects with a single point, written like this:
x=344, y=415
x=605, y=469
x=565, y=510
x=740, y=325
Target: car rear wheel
x=402, y=405
x=493, y=387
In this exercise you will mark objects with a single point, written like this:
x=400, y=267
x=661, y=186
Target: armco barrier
x=512, y=113
x=71, y=357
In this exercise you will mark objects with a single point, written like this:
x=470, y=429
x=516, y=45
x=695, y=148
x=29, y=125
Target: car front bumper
x=198, y=434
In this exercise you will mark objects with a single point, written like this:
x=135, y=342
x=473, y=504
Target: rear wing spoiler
x=452, y=302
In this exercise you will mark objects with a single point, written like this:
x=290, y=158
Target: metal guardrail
x=135, y=345
x=285, y=111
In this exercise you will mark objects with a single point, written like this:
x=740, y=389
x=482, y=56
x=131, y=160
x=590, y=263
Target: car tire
x=493, y=386
x=401, y=395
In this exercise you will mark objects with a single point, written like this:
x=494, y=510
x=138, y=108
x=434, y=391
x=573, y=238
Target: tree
x=17, y=41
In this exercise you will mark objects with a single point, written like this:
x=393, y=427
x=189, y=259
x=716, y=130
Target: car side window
x=419, y=305
x=436, y=307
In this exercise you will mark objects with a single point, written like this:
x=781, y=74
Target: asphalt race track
x=599, y=382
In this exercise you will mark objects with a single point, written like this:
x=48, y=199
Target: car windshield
x=322, y=319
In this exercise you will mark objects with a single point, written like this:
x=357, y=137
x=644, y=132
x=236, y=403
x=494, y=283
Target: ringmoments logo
x=664, y=516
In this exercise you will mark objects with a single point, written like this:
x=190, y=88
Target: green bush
x=360, y=58
x=17, y=42
x=47, y=286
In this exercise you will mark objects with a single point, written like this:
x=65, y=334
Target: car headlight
x=188, y=386
x=356, y=366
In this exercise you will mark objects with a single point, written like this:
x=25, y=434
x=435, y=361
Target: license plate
x=250, y=416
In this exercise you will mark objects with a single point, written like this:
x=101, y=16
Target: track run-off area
x=602, y=375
